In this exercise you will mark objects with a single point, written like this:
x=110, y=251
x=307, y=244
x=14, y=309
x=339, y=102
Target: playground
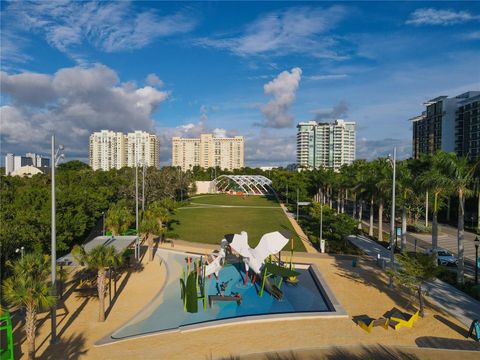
x=361, y=290
x=209, y=217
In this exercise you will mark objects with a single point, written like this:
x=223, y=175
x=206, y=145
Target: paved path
x=447, y=238
x=303, y=237
x=456, y=303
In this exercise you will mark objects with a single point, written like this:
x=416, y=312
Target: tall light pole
x=476, y=242
x=320, y=237
x=297, y=203
x=143, y=189
x=56, y=156
x=392, y=220
x=137, y=255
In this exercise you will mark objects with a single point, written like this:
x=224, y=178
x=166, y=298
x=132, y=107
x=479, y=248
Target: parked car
x=444, y=257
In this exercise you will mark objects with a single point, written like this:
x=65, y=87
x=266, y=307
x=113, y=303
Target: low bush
x=419, y=228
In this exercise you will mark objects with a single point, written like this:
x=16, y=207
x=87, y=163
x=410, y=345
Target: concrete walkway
x=461, y=306
x=303, y=237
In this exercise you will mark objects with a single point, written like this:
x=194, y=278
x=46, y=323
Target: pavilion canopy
x=248, y=184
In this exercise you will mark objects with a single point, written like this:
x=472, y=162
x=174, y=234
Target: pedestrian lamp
x=21, y=251
x=103, y=223
x=477, y=243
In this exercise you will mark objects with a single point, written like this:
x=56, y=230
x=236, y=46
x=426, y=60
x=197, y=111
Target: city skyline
x=254, y=69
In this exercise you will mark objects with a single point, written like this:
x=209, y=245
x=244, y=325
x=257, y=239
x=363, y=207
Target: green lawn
x=210, y=224
x=235, y=200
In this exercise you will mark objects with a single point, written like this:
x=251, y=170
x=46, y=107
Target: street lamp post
x=476, y=242
x=143, y=188
x=56, y=156
x=297, y=203
x=392, y=220
x=320, y=237
x=21, y=251
x=103, y=223
x=137, y=255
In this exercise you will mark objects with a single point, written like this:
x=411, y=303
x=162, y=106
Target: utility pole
x=287, y=193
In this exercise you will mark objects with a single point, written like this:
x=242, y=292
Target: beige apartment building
x=114, y=150
x=142, y=148
x=208, y=151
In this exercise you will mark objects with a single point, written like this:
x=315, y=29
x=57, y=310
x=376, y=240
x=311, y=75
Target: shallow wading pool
x=310, y=297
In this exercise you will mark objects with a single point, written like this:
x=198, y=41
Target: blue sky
x=250, y=68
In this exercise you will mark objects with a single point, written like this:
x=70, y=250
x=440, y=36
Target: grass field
x=206, y=220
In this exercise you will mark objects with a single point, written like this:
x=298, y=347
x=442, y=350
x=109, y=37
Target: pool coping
x=337, y=310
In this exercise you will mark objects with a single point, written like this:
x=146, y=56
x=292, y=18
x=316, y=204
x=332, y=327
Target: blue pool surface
x=165, y=312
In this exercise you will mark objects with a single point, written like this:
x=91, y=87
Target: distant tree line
x=82, y=195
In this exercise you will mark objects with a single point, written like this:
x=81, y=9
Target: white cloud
x=372, y=149
x=219, y=133
x=108, y=26
x=329, y=114
x=282, y=89
x=154, y=80
x=294, y=30
x=327, y=77
x=268, y=148
x=430, y=16
x=475, y=35
x=72, y=103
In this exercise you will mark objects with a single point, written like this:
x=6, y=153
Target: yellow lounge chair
x=403, y=319
x=368, y=324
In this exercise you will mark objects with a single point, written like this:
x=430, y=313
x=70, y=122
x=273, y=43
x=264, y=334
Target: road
x=447, y=239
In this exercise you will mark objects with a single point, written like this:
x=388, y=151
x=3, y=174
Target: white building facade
x=15, y=162
x=143, y=148
x=325, y=145
x=208, y=151
x=114, y=150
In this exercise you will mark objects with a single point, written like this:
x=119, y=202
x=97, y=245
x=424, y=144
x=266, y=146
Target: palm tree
x=150, y=227
x=436, y=183
x=367, y=191
x=460, y=175
x=99, y=258
x=29, y=287
x=406, y=189
x=119, y=218
x=382, y=174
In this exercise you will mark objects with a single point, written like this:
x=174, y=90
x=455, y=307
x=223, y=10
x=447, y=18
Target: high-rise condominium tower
x=325, y=145
x=142, y=148
x=109, y=149
x=208, y=151
x=448, y=124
